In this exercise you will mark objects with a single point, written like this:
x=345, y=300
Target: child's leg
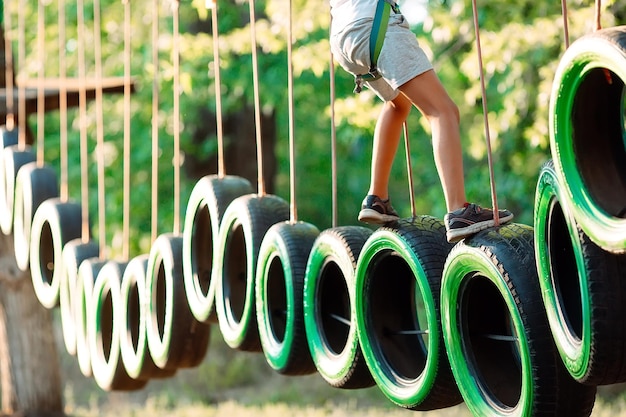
x=431, y=98
x=386, y=140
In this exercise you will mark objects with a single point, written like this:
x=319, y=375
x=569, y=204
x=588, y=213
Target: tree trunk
x=240, y=151
x=29, y=363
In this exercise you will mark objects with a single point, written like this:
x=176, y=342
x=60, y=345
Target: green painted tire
x=582, y=289
x=243, y=227
x=497, y=334
x=279, y=296
x=104, y=331
x=13, y=159
x=207, y=203
x=330, y=307
x=34, y=185
x=175, y=338
x=587, y=134
x=55, y=223
x=397, y=308
x=74, y=253
x=132, y=318
x=87, y=274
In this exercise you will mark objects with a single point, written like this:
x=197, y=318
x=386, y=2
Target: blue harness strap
x=377, y=38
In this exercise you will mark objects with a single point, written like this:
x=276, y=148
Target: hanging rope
x=97, y=25
x=292, y=153
x=221, y=170
x=154, y=210
x=494, y=198
x=176, y=57
x=598, y=26
x=565, y=22
x=333, y=141
x=127, y=116
x=409, y=167
x=41, y=108
x=63, y=151
x=257, y=100
x=21, y=90
x=8, y=70
x=82, y=117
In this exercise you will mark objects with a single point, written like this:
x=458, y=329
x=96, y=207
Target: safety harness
x=377, y=37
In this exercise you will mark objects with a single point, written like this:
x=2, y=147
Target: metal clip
x=358, y=84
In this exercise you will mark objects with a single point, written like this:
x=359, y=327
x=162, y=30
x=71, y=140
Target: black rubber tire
x=134, y=312
x=8, y=137
x=497, y=333
x=243, y=227
x=582, y=289
x=207, y=203
x=34, y=185
x=74, y=253
x=55, y=223
x=104, y=335
x=87, y=274
x=397, y=307
x=330, y=307
x=13, y=158
x=586, y=134
x=175, y=338
x=279, y=296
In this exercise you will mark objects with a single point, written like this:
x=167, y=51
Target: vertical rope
x=21, y=91
x=221, y=170
x=257, y=100
x=154, y=210
x=565, y=22
x=97, y=25
x=333, y=141
x=63, y=190
x=293, y=205
x=9, y=70
x=82, y=109
x=494, y=197
x=40, y=78
x=176, y=57
x=598, y=26
x=127, y=115
x=409, y=167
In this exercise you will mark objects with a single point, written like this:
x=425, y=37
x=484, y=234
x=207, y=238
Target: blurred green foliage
x=522, y=42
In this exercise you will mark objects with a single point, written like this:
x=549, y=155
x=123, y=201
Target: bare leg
x=386, y=140
x=428, y=94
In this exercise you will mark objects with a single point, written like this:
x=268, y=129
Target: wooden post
x=29, y=362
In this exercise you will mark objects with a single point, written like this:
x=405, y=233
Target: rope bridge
x=516, y=319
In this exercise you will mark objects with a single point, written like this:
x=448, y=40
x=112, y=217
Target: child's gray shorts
x=401, y=59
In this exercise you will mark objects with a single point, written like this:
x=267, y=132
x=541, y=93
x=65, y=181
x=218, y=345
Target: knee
x=447, y=111
x=453, y=111
x=400, y=107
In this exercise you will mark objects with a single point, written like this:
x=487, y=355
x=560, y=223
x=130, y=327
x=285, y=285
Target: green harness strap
x=377, y=38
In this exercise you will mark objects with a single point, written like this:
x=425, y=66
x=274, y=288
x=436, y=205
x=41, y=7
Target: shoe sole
x=456, y=235
x=371, y=216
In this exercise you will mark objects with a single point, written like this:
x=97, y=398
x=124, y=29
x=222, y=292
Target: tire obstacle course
x=514, y=321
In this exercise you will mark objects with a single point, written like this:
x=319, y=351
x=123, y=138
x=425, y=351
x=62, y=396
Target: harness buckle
x=394, y=6
x=372, y=75
x=358, y=84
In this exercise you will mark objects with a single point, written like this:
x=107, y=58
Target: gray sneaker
x=471, y=219
x=377, y=211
